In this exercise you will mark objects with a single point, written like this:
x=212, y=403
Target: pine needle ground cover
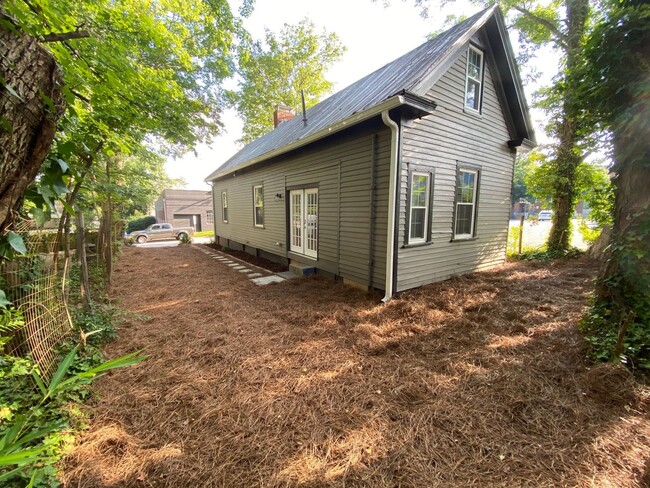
x=477, y=381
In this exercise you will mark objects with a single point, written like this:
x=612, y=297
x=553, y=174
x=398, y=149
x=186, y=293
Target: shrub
x=588, y=234
x=140, y=223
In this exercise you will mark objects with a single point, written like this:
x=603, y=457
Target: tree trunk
x=624, y=279
x=83, y=261
x=568, y=156
x=27, y=123
x=108, y=228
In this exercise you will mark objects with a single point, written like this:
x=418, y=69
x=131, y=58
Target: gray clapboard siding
x=341, y=168
x=442, y=140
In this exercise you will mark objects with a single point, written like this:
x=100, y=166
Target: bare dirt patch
x=477, y=381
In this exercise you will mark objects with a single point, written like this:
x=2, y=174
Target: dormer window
x=474, y=79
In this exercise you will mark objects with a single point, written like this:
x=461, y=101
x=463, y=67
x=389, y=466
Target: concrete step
x=301, y=269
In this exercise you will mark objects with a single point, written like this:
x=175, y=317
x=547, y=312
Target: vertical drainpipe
x=392, y=187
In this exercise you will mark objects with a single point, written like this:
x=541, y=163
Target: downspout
x=392, y=186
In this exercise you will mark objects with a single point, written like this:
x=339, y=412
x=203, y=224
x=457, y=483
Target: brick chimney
x=282, y=113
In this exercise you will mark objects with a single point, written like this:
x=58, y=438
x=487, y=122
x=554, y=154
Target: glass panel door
x=296, y=219
x=303, y=222
x=311, y=222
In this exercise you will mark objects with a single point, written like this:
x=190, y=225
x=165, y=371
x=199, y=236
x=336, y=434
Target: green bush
x=139, y=223
x=204, y=233
x=588, y=234
x=38, y=418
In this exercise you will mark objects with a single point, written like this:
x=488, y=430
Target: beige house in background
x=183, y=208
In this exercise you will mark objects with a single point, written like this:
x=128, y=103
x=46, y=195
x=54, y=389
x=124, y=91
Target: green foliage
x=36, y=423
x=11, y=245
x=512, y=249
x=589, y=234
x=204, y=233
x=140, y=223
x=545, y=254
x=11, y=319
x=143, y=78
x=275, y=71
x=185, y=239
x=613, y=94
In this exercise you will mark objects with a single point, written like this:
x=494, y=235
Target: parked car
x=156, y=232
x=545, y=215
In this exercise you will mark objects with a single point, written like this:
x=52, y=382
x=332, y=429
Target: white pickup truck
x=157, y=232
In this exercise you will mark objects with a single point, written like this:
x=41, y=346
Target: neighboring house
x=183, y=208
x=401, y=179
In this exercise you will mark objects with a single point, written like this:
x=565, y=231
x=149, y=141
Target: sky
x=373, y=35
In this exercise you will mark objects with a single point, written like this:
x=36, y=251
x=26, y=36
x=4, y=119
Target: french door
x=303, y=219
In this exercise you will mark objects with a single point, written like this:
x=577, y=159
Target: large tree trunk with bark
x=30, y=105
x=568, y=156
x=624, y=279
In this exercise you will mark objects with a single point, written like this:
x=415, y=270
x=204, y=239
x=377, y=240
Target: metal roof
x=410, y=73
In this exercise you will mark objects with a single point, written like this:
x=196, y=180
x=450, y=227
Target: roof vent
x=282, y=113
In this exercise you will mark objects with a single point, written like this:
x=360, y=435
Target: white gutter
x=392, y=186
x=375, y=110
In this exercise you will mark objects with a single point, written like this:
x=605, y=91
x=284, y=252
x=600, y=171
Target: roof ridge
x=373, y=88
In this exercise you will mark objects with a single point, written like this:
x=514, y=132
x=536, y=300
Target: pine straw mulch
x=477, y=381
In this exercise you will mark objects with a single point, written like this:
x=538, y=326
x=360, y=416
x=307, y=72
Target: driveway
x=536, y=233
x=477, y=381
x=174, y=242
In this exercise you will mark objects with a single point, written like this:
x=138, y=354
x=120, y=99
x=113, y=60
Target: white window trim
x=224, y=206
x=255, y=188
x=479, y=81
x=473, y=204
x=418, y=240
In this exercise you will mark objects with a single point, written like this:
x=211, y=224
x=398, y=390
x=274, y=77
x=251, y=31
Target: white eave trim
x=388, y=104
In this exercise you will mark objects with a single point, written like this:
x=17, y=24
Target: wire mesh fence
x=33, y=282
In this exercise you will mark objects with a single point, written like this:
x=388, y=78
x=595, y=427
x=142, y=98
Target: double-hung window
x=474, y=79
x=466, y=193
x=258, y=205
x=419, y=206
x=224, y=207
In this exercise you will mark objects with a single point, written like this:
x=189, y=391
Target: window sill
x=416, y=244
x=473, y=113
x=463, y=239
x=258, y=227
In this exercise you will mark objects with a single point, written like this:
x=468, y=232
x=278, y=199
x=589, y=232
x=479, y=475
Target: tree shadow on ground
x=477, y=381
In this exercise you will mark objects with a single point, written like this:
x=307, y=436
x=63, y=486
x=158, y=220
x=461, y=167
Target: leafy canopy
x=275, y=71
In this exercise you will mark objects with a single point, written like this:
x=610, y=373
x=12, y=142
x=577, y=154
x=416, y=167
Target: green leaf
x=22, y=457
x=41, y=216
x=3, y=300
x=5, y=124
x=62, y=164
x=61, y=371
x=10, y=474
x=16, y=242
x=68, y=208
x=121, y=362
x=12, y=91
x=39, y=383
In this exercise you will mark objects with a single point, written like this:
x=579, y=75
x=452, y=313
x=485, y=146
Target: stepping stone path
x=253, y=273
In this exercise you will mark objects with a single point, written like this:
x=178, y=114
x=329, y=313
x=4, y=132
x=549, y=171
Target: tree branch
x=559, y=35
x=65, y=36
